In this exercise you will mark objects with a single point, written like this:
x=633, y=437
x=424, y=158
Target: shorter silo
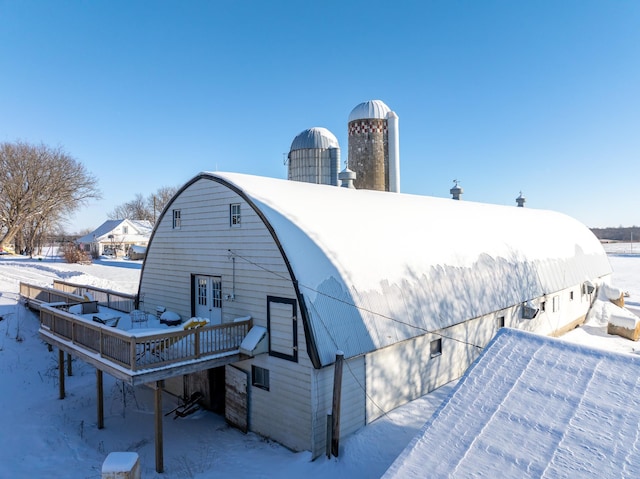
x=314, y=157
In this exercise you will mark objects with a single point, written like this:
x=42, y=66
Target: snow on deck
x=533, y=406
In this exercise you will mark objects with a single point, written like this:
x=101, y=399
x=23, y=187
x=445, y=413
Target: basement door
x=207, y=298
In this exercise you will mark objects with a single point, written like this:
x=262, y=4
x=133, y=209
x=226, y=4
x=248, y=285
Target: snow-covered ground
x=44, y=436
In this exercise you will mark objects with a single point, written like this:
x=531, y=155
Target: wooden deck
x=34, y=295
x=139, y=356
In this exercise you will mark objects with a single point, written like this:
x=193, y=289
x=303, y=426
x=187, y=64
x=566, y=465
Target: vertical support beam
x=100, y=399
x=158, y=421
x=61, y=372
x=329, y=426
x=69, y=367
x=337, y=393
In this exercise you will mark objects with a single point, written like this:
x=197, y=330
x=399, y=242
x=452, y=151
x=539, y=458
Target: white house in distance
x=533, y=406
x=410, y=288
x=116, y=237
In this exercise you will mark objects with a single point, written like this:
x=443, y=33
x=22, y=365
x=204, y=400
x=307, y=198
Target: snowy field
x=44, y=436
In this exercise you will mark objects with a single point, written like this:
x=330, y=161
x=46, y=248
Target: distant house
x=115, y=237
x=410, y=288
x=533, y=406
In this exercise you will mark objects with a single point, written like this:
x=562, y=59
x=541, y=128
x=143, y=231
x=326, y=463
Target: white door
x=208, y=298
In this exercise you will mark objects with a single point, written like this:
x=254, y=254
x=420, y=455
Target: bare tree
x=144, y=209
x=135, y=209
x=39, y=186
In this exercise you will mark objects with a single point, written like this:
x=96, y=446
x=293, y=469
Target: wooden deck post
x=69, y=367
x=61, y=372
x=329, y=441
x=337, y=392
x=158, y=421
x=100, y=399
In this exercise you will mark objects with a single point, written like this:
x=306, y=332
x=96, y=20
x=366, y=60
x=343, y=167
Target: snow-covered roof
x=375, y=268
x=316, y=137
x=534, y=406
x=141, y=228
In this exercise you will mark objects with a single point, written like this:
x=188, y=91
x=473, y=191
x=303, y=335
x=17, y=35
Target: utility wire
x=375, y=313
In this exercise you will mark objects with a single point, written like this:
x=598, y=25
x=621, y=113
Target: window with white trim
x=177, y=219
x=234, y=215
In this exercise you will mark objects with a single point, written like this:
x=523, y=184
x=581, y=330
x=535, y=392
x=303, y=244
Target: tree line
x=144, y=208
x=631, y=233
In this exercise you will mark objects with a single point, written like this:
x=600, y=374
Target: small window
x=125, y=230
x=500, y=322
x=570, y=295
x=177, y=220
x=234, y=215
x=556, y=304
x=543, y=306
x=436, y=347
x=260, y=377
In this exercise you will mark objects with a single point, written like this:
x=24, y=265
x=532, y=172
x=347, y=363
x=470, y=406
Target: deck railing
x=36, y=295
x=139, y=350
x=105, y=297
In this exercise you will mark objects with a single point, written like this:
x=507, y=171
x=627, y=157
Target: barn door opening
x=207, y=298
x=283, y=328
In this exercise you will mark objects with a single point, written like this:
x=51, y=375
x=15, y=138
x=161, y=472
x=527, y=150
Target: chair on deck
x=111, y=321
x=161, y=347
x=138, y=318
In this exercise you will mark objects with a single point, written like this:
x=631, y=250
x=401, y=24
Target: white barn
x=409, y=288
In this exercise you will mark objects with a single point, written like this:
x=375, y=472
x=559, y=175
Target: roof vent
x=456, y=191
x=347, y=178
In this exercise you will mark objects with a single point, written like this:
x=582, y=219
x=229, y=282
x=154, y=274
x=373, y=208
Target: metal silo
x=374, y=153
x=314, y=157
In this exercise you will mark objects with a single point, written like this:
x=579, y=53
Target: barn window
x=500, y=322
x=260, y=377
x=177, y=222
x=234, y=215
x=282, y=326
x=436, y=347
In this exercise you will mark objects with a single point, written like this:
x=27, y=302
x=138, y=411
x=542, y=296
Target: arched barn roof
x=316, y=137
x=374, y=268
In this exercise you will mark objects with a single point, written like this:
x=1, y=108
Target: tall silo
x=374, y=153
x=314, y=157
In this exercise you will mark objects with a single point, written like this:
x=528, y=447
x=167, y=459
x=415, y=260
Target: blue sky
x=541, y=97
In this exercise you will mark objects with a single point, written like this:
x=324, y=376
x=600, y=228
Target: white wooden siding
x=405, y=371
x=201, y=246
x=352, y=402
